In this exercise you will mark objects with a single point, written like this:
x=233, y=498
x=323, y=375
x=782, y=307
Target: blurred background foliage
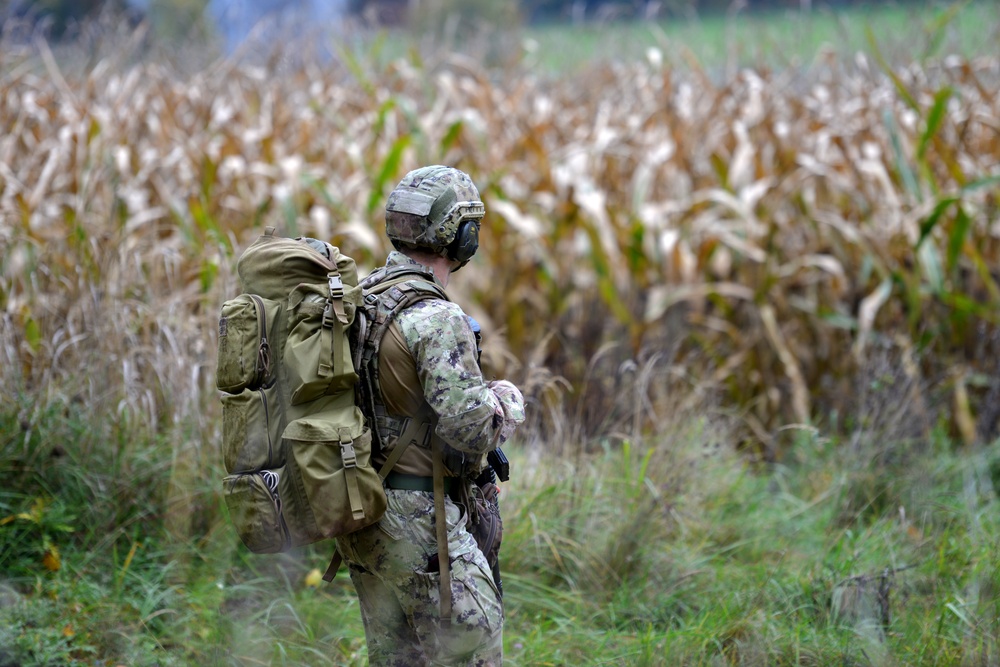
x=753, y=238
x=178, y=18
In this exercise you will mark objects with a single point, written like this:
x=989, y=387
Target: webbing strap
x=336, y=299
x=326, y=343
x=354, y=493
x=350, y=460
x=334, y=363
x=331, y=570
x=405, y=482
x=418, y=430
x=441, y=524
x=394, y=456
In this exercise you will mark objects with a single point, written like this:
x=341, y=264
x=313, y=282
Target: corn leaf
x=934, y=118
x=901, y=88
x=931, y=221
x=388, y=170
x=956, y=240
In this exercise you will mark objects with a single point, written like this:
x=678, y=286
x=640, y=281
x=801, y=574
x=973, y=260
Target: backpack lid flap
x=312, y=430
x=275, y=265
x=323, y=419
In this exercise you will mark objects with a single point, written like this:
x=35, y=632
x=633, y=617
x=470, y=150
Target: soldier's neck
x=440, y=266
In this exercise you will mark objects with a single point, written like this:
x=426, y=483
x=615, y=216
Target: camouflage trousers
x=400, y=598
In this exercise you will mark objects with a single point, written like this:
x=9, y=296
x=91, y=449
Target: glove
x=510, y=408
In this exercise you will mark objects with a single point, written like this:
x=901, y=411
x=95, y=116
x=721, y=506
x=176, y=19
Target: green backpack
x=295, y=445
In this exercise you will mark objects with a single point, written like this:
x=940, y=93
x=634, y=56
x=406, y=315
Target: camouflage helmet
x=428, y=207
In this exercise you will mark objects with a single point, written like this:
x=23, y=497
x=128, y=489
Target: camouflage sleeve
x=472, y=416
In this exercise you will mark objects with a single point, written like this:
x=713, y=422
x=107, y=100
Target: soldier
x=436, y=417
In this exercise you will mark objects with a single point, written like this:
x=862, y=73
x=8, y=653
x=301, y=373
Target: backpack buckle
x=347, y=453
x=336, y=286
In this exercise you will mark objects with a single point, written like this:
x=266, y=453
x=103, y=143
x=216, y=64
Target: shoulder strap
x=387, y=299
x=381, y=308
x=387, y=293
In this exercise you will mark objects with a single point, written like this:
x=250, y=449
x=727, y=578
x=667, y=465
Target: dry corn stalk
x=795, y=220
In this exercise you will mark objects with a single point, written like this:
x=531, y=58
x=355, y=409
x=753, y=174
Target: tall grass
x=667, y=551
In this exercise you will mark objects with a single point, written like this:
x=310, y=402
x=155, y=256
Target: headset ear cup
x=466, y=241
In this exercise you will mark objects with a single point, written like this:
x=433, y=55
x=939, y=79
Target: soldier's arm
x=473, y=415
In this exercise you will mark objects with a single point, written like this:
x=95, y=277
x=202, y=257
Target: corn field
x=656, y=239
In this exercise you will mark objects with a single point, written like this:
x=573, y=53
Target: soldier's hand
x=511, y=409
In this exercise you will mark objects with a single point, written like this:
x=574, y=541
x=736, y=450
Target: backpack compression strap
x=334, y=308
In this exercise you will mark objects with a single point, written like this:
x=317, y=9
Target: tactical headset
x=466, y=241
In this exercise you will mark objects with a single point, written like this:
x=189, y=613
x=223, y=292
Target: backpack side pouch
x=245, y=329
x=255, y=508
x=317, y=354
x=251, y=430
x=339, y=489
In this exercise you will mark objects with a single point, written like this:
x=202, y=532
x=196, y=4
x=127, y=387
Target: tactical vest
x=387, y=292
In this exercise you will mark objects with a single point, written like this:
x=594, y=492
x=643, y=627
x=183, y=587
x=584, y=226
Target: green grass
x=777, y=39
x=717, y=43
x=674, y=551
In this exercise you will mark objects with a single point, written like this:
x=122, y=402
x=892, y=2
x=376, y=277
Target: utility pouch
x=245, y=328
x=317, y=354
x=255, y=508
x=251, y=430
x=337, y=491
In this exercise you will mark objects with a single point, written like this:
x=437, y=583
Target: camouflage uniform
x=393, y=563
